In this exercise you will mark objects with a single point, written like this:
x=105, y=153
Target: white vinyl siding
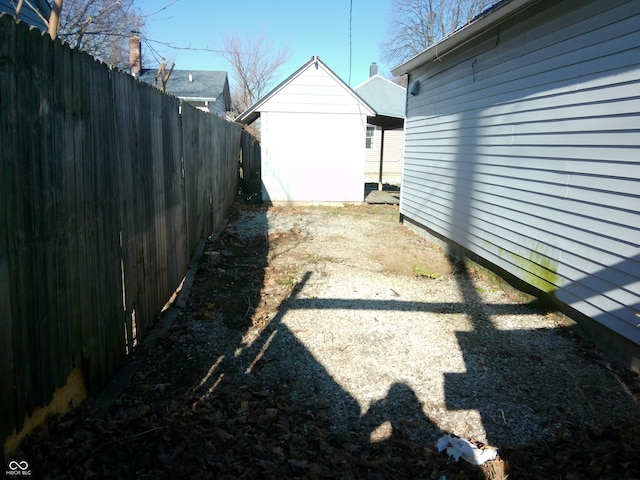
x=301, y=163
x=525, y=149
x=313, y=132
x=314, y=90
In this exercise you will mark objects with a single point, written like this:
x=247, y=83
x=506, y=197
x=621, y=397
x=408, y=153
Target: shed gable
x=315, y=90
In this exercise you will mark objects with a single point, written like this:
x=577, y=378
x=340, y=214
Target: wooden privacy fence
x=105, y=191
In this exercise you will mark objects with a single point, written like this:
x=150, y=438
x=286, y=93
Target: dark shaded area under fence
x=250, y=171
x=106, y=189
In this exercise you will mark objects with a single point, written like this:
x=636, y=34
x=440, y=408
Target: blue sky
x=308, y=27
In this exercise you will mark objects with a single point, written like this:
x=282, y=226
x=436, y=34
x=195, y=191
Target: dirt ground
x=334, y=343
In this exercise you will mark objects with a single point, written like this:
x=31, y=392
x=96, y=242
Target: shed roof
x=496, y=15
x=205, y=85
x=252, y=113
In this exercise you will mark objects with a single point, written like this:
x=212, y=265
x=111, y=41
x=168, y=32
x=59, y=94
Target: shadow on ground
x=212, y=402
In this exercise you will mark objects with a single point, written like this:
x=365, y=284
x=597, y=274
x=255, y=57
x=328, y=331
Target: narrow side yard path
x=335, y=343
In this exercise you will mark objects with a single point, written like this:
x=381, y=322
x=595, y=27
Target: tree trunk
x=54, y=19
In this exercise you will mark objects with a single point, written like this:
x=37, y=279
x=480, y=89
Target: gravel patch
x=418, y=346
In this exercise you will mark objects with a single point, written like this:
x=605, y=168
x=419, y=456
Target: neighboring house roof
x=388, y=100
x=32, y=12
x=386, y=97
x=253, y=112
x=193, y=85
x=482, y=24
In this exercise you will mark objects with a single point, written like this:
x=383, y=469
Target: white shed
x=522, y=151
x=313, y=129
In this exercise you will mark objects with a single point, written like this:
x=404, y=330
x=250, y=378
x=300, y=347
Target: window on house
x=370, y=132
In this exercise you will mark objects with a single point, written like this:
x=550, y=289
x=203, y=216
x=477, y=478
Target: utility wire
x=350, y=43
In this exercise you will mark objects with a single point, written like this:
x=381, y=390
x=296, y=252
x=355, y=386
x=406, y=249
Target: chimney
x=135, y=56
x=373, y=69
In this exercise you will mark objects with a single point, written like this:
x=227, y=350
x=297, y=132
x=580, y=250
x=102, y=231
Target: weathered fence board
x=9, y=154
x=22, y=216
x=127, y=120
x=62, y=142
x=47, y=271
x=205, y=138
x=105, y=190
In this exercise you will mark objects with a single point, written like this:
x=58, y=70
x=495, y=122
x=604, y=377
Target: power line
x=195, y=49
x=153, y=51
x=350, y=43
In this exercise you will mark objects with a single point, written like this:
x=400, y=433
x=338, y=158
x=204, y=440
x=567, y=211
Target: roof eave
x=463, y=36
x=386, y=121
x=247, y=117
x=197, y=99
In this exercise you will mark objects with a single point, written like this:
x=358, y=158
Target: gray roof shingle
x=384, y=96
x=205, y=84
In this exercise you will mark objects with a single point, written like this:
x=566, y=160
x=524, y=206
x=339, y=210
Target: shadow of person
x=397, y=430
x=402, y=440
x=400, y=415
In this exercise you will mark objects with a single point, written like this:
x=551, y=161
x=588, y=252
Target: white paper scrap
x=459, y=447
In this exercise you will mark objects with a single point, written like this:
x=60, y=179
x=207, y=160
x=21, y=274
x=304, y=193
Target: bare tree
x=100, y=27
x=415, y=25
x=254, y=64
x=54, y=18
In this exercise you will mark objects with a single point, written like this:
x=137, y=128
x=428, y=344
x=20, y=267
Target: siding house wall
x=216, y=107
x=392, y=168
x=523, y=148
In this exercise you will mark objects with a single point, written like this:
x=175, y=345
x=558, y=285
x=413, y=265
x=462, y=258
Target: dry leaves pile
x=223, y=396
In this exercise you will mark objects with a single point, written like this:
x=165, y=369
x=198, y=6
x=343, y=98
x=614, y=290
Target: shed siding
x=525, y=149
x=308, y=157
x=313, y=132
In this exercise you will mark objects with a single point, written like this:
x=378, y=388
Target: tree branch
x=54, y=19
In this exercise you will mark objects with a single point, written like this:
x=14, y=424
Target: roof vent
x=190, y=78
